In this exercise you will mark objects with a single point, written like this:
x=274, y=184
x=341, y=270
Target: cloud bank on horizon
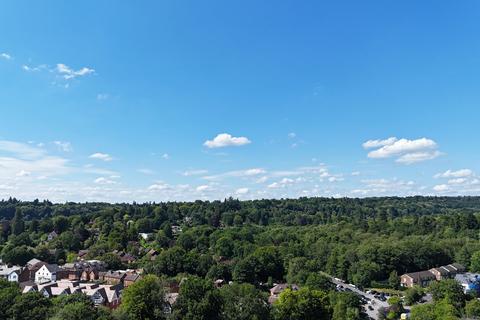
x=30, y=170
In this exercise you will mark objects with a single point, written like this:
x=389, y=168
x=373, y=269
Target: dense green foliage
x=369, y=242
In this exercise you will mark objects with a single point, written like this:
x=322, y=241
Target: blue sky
x=183, y=100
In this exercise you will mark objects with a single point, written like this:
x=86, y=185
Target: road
x=375, y=303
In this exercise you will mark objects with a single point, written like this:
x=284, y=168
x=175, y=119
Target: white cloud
x=335, y=179
x=34, y=69
x=21, y=150
x=103, y=180
x=165, y=156
x=415, y=157
x=462, y=173
x=226, y=140
x=203, y=188
x=67, y=73
x=379, y=143
x=292, y=135
x=159, y=187
x=63, y=145
x=441, y=188
x=199, y=172
x=457, y=181
x=241, y=191
x=406, y=151
x=261, y=179
x=281, y=184
x=22, y=160
x=5, y=56
x=253, y=172
x=382, y=187
x=101, y=156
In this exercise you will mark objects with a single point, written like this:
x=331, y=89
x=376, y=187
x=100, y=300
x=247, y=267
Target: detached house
x=47, y=273
x=278, y=289
x=11, y=274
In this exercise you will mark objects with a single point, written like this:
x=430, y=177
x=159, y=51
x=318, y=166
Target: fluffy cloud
x=414, y=157
x=463, y=181
x=5, y=56
x=34, y=69
x=203, y=188
x=226, y=140
x=101, y=156
x=462, y=173
x=67, y=73
x=406, y=151
x=281, y=184
x=441, y=188
x=159, y=187
x=379, y=143
x=241, y=191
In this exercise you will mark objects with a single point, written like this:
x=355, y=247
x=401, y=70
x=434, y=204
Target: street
x=375, y=303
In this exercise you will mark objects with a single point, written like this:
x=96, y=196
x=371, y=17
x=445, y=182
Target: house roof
x=6, y=270
x=441, y=270
x=132, y=277
x=279, y=288
x=100, y=291
x=115, y=274
x=53, y=268
x=458, y=266
x=127, y=257
x=420, y=275
x=171, y=297
x=81, y=253
x=34, y=262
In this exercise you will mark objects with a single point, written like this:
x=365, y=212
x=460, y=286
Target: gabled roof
x=420, y=275
x=53, y=268
x=279, y=288
x=34, y=262
x=6, y=270
x=132, y=277
x=442, y=270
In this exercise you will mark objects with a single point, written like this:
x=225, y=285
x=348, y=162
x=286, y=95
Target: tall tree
x=18, y=224
x=304, y=304
x=145, y=299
